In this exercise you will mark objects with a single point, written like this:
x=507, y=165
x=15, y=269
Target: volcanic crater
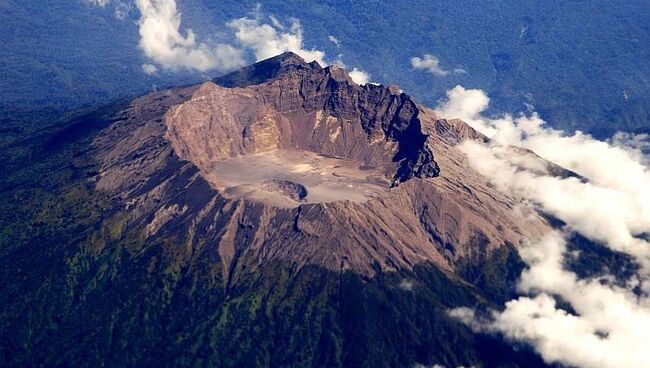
x=267, y=144
x=288, y=178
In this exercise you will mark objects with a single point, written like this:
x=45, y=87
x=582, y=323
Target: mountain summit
x=322, y=171
x=280, y=215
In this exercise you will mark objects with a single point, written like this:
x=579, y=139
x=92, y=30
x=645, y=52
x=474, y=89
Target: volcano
x=280, y=215
x=322, y=171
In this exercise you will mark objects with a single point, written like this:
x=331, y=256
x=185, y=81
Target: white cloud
x=149, y=69
x=276, y=23
x=637, y=145
x=465, y=104
x=602, y=213
x=359, y=76
x=101, y=3
x=121, y=8
x=268, y=40
x=162, y=41
x=611, y=206
x=406, y=285
x=609, y=330
x=229, y=57
x=167, y=47
x=460, y=71
x=431, y=64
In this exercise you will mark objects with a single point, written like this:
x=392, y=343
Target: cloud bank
x=609, y=203
x=162, y=41
x=168, y=47
x=431, y=64
x=267, y=40
x=613, y=207
x=609, y=329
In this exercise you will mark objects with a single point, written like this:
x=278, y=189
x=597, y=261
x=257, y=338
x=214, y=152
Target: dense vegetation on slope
x=80, y=289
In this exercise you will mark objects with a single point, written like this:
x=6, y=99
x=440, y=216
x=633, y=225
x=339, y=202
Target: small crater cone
x=292, y=190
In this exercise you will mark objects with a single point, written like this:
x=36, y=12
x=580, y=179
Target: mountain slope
x=280, y=217
x=337, y=139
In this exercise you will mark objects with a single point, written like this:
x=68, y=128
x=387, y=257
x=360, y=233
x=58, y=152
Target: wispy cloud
x=610, y=205
x=121, y=8
x=101, y=3
x=149, y=69
x=431, y=64
x=334, y=40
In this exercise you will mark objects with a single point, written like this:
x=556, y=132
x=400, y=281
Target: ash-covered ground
x=289, y=178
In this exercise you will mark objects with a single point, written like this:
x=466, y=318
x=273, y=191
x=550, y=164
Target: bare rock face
x=285, y=160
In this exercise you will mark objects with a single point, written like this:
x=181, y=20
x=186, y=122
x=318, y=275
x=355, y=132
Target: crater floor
x=289, y=178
